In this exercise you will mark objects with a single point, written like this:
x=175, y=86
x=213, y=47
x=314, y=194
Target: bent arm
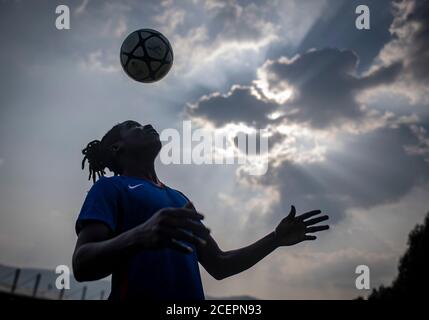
x=222, y=264
x=97, y=253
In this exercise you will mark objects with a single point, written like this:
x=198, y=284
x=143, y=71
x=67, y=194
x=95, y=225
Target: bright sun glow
x=280, y=94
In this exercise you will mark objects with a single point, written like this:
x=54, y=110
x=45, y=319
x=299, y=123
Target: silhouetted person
x=149, y=236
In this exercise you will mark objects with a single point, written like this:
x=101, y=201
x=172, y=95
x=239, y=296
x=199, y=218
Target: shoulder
x=179, y=194
x=107, y=184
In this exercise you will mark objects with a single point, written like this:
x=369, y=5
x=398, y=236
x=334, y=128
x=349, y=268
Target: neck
x=144, y=171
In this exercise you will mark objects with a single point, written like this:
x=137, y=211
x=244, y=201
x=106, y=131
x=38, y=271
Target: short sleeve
x=101, y=204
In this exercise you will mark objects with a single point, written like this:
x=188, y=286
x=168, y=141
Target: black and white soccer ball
x=146, y=55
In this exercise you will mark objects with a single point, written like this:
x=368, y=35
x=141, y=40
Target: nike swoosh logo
x=133, y=187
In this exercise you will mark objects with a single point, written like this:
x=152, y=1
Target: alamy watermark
x=362, y=281
x=62, y=21
x=63, y=280
x=362, y=21
x=216, y=147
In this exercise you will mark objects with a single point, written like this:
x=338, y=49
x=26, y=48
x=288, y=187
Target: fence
x=13, y=282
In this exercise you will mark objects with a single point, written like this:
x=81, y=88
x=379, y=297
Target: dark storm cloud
x=326, y=81
x=324, y=84
x=374, y=169
x=239, y=105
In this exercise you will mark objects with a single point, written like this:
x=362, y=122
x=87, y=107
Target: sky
x=346, y=109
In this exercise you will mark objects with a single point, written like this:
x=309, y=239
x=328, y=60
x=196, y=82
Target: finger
x=184, y=235
x=188, y=225
x=316, y=229
x=292, y=212
x=186, y=213
x=316, y=220
x=310, y=238
x=180, y=246
x=309, y=214
x=189, y=205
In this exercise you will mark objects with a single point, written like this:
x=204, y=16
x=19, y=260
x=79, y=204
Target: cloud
x=81, y=8
x=410, y=44
x=100, y=61
x=325, y=269
x=323, y=85
x=332, y=150
x=422, y=146
x=241, y=21
x=228, y=38
x=321, y=91
x=116, y=27
x=352, y=164
x=335, y=27
x=318, y=88
x=335, y=269
x=240, y=104
x=361, y=173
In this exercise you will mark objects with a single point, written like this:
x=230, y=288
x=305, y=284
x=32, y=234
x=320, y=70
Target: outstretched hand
x=292, y=230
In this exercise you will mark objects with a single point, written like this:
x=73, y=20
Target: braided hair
x=99, y=156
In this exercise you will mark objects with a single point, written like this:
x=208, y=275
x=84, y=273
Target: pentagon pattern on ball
x=146, y=55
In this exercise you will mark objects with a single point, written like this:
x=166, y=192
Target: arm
x=98, y=253
x=220, y=264
x=290, y=231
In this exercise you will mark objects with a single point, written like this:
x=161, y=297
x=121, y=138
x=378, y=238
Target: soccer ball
x=146, y=55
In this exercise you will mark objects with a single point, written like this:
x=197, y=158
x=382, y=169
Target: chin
x=158, y=146
x=152, y=148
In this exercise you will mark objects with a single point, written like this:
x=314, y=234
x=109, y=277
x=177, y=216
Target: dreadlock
x=100, y=157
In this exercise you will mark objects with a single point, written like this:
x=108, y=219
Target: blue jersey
x=122, y=203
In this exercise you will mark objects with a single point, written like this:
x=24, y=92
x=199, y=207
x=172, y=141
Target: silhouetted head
x=120, y=145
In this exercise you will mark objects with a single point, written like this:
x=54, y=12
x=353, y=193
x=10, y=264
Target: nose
x=148, y=126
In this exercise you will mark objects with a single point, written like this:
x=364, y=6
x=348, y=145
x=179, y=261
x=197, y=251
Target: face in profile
x=140, y=140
